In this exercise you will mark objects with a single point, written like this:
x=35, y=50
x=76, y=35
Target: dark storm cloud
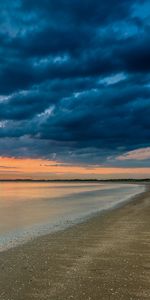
x=74, y=79
x=24, y=105
x=95, y=117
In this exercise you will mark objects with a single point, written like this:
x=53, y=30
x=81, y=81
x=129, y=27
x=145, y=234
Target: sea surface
x=30, y=209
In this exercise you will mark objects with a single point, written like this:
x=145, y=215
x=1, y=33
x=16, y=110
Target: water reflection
x=25, y=204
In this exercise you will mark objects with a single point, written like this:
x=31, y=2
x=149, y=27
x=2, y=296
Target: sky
x=74, y=89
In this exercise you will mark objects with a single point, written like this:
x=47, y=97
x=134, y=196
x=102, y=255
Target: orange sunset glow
x=14, y=168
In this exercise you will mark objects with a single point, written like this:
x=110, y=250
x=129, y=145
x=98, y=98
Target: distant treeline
x=76, y=180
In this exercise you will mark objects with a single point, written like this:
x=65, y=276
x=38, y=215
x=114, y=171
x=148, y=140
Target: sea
x=32, y=209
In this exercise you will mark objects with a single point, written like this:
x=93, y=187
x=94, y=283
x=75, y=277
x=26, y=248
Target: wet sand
x=106, y=257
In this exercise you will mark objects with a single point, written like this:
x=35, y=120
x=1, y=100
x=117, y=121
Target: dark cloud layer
x=74, y=79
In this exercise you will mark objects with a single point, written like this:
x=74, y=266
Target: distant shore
x=132, y=180
x=104, y=258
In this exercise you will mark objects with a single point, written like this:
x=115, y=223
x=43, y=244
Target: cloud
x=138, y=154
x=74, y=80
x=7, y=167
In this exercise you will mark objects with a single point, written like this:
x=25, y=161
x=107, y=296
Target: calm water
x=32, y=209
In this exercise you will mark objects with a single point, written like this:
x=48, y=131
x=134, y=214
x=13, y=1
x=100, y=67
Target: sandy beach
x=106, y=257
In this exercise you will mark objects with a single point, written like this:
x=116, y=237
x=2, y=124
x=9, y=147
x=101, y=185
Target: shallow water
x=29, y=209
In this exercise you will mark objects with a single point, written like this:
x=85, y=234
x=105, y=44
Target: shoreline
x=18, y=237
x=104, y=257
